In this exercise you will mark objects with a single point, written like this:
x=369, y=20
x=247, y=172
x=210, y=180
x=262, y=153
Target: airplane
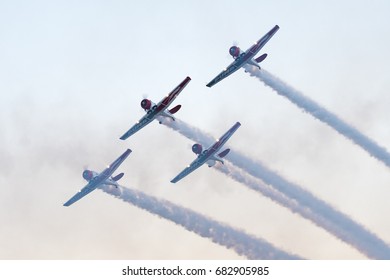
x=242, y=58
x=208, y=155
x=153, y=110
x=95, y=179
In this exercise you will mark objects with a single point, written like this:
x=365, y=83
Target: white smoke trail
x=322, y=114
x=241, y=242
x=335, y=222
x=258, y=185
x=255, y=184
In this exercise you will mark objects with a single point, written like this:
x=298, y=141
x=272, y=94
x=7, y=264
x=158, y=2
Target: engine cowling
x=146, y=104
x=197, y=148
x=88, y=175
x=234, y=51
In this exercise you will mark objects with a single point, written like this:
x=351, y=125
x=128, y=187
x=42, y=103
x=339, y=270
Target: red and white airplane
x=241, y=58
x=153, y=110
x=96, y=180
x=208, y=155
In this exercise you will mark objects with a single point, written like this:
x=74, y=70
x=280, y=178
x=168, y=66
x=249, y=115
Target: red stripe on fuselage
x=217, y=145
x=173, y=94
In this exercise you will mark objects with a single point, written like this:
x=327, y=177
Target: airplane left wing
x=140, y=124
x=227, y=72
x=99, y=179
x=83, y=192
x=189, y=169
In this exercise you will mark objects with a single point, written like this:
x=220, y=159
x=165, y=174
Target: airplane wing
x=149, y=117
x=207, y=154
x=223, y=139
x=253, y=50
x=114, y=166
x=98, y=180
x=193, y=166
x=233, y=67
x=161, y=106
x=167, y=100
x=249, y=54
x=83, y=192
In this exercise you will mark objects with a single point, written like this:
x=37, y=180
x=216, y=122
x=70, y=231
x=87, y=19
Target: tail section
x=174, y=109
x=211, y=162
x=118, y=177
x=169, y=113
x=261, y=58
x=224, y=153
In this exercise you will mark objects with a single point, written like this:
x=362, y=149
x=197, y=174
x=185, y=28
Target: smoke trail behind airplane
x=321, y=114
x=258, y=185
x=242, y=243
x=337, y=223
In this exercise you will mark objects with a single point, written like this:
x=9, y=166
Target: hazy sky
x=73, y=73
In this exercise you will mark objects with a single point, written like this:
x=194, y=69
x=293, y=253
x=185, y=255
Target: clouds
x=73, y=77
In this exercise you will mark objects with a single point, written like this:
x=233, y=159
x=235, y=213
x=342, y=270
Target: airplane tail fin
x=261, y=58
x=224, y=153
x=118, y=177
x=174, y=109
x=211, y=162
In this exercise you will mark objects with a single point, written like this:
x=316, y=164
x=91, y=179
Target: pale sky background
x=73, y=73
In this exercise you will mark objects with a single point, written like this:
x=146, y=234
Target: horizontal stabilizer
x=261, y=58
x=118, y=177
x=175, y=109
x=224, y=153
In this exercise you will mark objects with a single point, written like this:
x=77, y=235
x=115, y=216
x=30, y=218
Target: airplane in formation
x=242, y=58
x=155, y=110
x=96, y=180
x=209, y=155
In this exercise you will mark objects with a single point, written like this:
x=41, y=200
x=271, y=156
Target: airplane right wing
x=163, y=104
x=114, y=166
x=253, y=50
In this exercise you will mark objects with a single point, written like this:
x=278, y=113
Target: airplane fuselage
x=97, y=178
x=209, y=155
x=242, y=58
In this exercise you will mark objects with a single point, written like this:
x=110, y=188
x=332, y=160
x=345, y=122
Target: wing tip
x=185, y=81
x=127, y=152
